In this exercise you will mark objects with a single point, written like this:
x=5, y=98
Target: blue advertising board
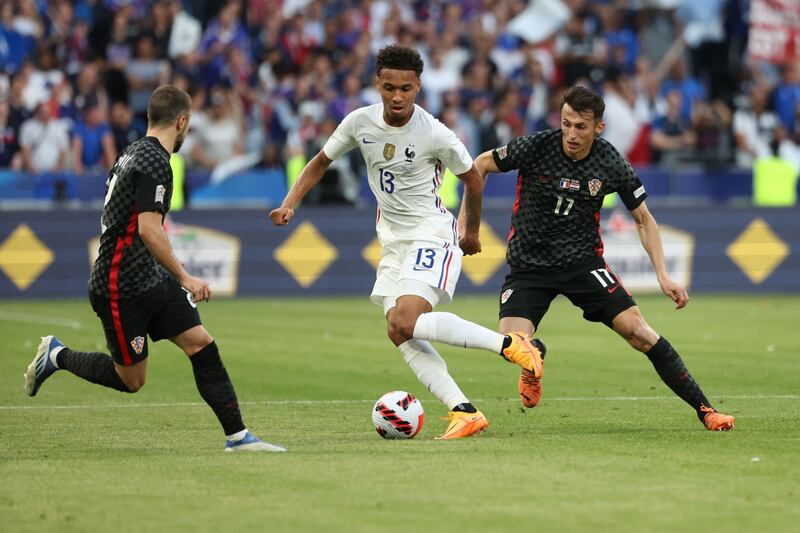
x=334, y=251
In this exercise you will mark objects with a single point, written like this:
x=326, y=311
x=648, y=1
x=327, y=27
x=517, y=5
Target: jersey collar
x=156, y=142
x=389, y=127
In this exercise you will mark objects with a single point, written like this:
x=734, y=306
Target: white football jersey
x=405, y=167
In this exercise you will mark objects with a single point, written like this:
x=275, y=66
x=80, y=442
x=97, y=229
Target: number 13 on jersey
x=387, y=181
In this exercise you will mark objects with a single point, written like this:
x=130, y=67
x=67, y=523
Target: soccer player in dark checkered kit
x=555, y=247
x=138, y=287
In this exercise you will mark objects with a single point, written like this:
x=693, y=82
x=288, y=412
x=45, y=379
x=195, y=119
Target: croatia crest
x=506, y=295
x=594, y=186
x=138, y=345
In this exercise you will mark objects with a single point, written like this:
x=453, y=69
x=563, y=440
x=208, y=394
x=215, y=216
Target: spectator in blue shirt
x=787, y=95
x=15, y=47
x=93, y=149
x=223, y=32
x=123, y=128
x=622, y=43
x=348, y=99
x=691, y=89
x=671, y=133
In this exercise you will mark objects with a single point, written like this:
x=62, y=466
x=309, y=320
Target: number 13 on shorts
x=437, y=267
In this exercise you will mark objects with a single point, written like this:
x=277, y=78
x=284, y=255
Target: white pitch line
x=39, y=319
x=640, y=398
x=344, y=402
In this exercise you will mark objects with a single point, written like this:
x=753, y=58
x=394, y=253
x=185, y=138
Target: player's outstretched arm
x=155, y=239
x=651, y=241
x=469, y=238
x=483, y=165
x=307, y=180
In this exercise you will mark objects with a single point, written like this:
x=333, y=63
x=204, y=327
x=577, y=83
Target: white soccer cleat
x=42, y=366
x=251, y=443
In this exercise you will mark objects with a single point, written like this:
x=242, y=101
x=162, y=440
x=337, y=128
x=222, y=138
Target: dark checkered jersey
x=139, y=181
x=556, y=216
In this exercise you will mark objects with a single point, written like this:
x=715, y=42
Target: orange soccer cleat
x=463, y=425
x=530, y=387
x=715, y=421
x=524, y=354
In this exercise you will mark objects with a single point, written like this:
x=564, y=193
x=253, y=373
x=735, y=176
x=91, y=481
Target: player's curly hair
x=166, y=105
x=581, y=99
x=399, y=57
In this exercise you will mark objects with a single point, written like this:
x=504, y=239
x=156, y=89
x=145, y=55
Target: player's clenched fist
x=469, y=244
x=281, y=216
x=198, y=288
x=676, y=292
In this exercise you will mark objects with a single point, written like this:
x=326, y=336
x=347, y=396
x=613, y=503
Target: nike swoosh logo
x=365, y=141
x=612, y=289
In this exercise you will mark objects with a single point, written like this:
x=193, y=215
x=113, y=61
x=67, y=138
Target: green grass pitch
x=608, y=449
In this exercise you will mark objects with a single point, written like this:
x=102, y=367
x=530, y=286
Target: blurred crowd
x=271, y=79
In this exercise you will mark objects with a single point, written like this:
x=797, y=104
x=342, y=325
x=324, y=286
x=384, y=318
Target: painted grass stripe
x=39, y=319
x=347, y=402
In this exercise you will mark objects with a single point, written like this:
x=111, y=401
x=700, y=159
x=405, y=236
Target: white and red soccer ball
x=398, y=415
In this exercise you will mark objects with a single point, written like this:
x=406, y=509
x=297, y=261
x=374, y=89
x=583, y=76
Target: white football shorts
x=421, y=268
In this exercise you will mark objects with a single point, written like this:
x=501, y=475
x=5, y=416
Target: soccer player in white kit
x=406, y=151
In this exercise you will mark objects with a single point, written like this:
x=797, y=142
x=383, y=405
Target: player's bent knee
x=632, y=326
x=193, y=340
x=406, y=329
x=399, y=330
x=395, y=337
x=199, y=341
x=642, y=337
x=134, y=384
x=198, y=345
x=636, y=344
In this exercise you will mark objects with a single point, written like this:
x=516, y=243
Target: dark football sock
x=94, y=367
x=216, y=388
x=465, y=407
x=672, y=371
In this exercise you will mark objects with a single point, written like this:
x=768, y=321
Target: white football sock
x=236, y=437
x=54, y=355
x=452, y=329
x=431, y=370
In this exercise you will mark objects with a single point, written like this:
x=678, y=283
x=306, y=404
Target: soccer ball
x=398, y=415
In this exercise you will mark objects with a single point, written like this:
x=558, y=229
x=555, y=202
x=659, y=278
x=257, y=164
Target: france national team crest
x=388, y=151
x=506, y=295
x=138, y=345
x=160, y=190
x=594, y=186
